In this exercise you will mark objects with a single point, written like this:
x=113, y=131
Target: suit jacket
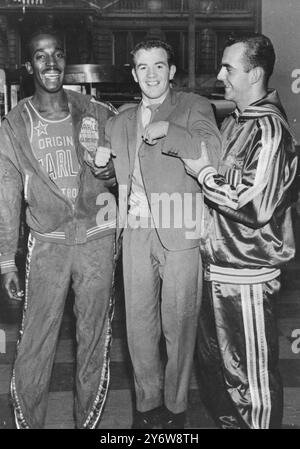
x=191, y=120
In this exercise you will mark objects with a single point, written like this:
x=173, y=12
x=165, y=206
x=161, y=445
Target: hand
x=11, y=285
x=106, y=172
x=103, y=156
x=193, y=166
x=155, y=131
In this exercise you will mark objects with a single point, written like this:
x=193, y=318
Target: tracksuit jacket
x=50, y=215
x=250, y=222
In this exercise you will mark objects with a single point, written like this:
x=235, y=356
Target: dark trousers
x=237, y=348
x=50, y=269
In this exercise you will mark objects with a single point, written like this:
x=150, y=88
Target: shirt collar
x=145, y=101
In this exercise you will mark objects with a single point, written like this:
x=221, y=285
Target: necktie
x=149, y=114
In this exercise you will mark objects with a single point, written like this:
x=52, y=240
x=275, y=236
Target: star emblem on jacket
x=41, y=129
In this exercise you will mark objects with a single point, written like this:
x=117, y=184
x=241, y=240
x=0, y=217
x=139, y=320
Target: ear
x=29, y=67
x=256, y=75
x=134, y=75
x=172, y=72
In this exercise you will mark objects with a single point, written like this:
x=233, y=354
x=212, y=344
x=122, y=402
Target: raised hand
x=155, y=131
x=103, y=156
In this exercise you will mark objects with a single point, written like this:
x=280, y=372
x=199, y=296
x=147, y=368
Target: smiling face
x=235, y=75
x=153, y=73
x=47, y=63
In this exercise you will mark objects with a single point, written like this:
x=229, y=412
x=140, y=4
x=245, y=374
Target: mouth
x=52, y=75
x=152, y=83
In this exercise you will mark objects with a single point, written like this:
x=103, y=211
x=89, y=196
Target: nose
x=221, y=74
x=51, y=62
x=151, y=72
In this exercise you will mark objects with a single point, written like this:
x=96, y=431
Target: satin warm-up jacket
x=249, y=218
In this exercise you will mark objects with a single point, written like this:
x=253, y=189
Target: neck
x=159, y=100
x=253, y=97
x=54, y=105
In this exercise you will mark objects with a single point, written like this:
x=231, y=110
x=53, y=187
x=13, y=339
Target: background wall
x=281, y=22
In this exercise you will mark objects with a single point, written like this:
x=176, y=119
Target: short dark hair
x=39, y=32
x=153, y=43
x=259, y=52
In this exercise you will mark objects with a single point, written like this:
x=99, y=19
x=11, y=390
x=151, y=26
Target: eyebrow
x=43, y=50
x=156, y=63
x=225, y=64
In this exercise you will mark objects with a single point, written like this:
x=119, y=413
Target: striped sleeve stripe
x=236, y=197
x=270, y=140
x=7, y=264
x=219, y=193
x=266, y=111
x=206, y=171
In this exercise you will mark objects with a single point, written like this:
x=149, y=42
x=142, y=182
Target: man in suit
x=161, y=259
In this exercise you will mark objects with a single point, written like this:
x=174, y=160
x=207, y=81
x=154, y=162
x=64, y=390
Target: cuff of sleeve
x=207, y=170
x=7, y=264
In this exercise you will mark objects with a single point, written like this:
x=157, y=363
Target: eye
x=40, y=57
x=60, y=55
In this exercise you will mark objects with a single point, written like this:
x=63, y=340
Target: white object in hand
x=103, y=156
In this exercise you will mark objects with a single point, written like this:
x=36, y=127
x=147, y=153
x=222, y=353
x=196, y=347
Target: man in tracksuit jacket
x=248, y=238
x=71, y=216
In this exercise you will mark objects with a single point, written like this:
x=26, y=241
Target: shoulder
x=17, y=109
x=125, y=112
x=105, y=105
x=192, y=98
x=16, y=117
x=83, y=102
x=270, y=126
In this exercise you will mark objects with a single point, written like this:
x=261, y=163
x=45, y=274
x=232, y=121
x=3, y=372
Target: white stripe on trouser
x=263, y=355
x=18, y=413
x=257, y=363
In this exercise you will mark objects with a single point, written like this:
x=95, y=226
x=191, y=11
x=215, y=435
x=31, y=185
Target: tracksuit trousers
x=50, y=269
x=237, y=348
x=162, y=297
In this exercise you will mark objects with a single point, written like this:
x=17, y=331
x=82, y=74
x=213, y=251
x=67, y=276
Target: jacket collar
x=164, y=109
x=268, y=105
x=163, y=112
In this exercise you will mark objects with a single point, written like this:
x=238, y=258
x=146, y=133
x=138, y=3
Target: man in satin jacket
x=161, y=258
x=248, y=238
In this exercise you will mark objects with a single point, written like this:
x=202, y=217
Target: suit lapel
x=166, y=107
x=131, y=129
x=163, y=113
